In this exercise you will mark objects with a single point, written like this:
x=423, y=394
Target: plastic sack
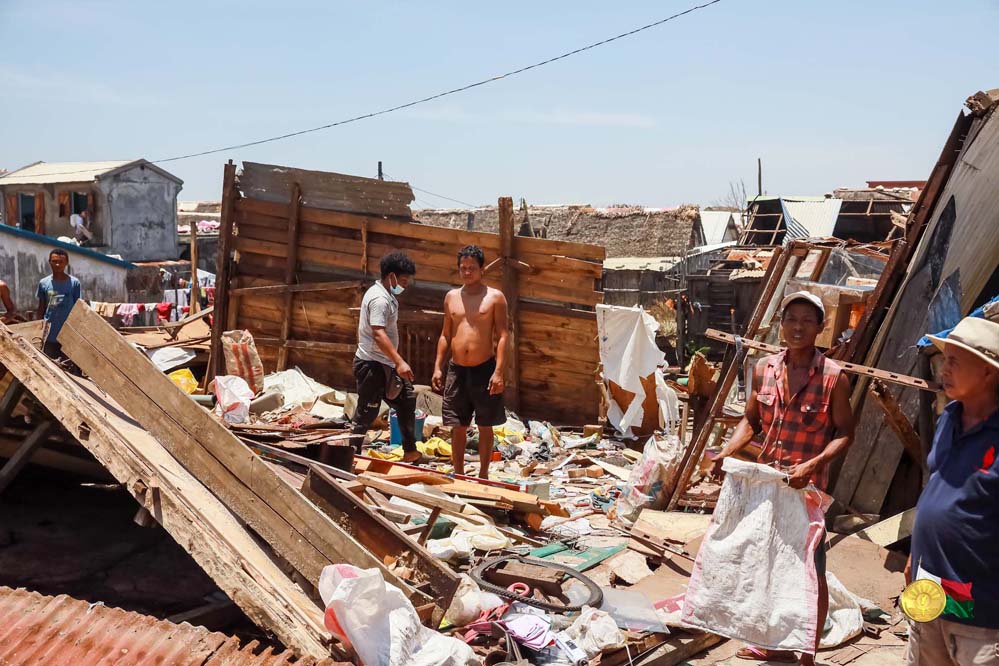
x=233, y=398
x=595, y=631
x=754, y=578
x=242, y=359
x=380, y=623
x=469, y=602
x=184, y=378
x=649, y=479
x=846, y=614
x=466, y=538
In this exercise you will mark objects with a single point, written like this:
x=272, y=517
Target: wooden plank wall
x=558, y=284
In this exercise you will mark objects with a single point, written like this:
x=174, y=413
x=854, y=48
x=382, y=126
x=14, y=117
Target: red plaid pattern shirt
x=799, y=427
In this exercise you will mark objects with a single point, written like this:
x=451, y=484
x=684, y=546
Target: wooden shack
x=298, y=248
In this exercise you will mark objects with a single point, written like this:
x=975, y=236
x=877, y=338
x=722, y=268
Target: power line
x=429, y=98
x=434, y=194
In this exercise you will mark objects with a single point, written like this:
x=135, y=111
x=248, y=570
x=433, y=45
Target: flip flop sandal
x=753, y=653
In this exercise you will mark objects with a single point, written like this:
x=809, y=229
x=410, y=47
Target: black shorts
x=466, y=392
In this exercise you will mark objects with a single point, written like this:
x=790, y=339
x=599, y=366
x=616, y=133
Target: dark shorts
x=466, y=392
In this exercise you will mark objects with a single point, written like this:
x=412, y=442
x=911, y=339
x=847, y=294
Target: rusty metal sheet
x=39, y=630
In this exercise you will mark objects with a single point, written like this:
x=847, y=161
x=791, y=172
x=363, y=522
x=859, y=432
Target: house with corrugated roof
x=130, y=206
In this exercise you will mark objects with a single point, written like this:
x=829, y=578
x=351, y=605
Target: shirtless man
x=473, y=316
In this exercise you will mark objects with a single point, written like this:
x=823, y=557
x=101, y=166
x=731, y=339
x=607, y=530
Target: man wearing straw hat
x=955, y=537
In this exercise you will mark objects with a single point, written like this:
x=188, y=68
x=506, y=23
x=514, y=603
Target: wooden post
x=510, y=290
x=195, y=285
x=221, y=314
x=289, y=273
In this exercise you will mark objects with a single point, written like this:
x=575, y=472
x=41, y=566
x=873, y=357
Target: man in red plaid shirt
x=799, y=412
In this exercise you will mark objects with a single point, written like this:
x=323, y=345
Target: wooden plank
x=678, y=649
x=890, y=530
x=332, y=191
x=380, y=536
x=289, y=272
x=294, y=527
x=510, y=290
x=310, y=345
x=16, y=462
x=267, y=290
x=223, y=269
x=196, y=519
x=401, y=491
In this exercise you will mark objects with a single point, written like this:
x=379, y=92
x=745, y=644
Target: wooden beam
x=510, y=290
x=12, y=396
x=293, y=526
x=269, y=289
x=289, y=273
x=878, y=374
x=406, y=493
x=897, y=421
x=216, y=365
x=23, y=454
x=380, y=536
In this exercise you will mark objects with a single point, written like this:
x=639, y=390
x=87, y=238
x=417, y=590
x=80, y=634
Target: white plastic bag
x=381, y=624
x=754, y=579
x=232, y=399
x=465, y=605
x=649, y=478
x=595, y=631
x=465, y=538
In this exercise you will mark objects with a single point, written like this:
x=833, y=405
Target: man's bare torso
x=472, y=316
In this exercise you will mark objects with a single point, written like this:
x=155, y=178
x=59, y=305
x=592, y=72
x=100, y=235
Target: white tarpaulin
x=628, y=353
x=755, y=579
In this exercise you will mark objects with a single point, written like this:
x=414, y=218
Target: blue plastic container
x=395, y=434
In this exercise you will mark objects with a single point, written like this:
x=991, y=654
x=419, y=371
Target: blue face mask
x=396, y=288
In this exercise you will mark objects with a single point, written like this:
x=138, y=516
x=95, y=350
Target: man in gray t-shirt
x=379, y=369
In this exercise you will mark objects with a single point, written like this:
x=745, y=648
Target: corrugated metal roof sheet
x=38, y=630
x=811, y=218
x=715, y=223
x=41, y=173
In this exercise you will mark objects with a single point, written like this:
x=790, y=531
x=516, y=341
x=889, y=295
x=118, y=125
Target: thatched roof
x=623, y=231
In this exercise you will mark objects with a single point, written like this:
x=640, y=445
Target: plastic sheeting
x=628, y=353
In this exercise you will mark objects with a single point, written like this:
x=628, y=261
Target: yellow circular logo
x=923, y=600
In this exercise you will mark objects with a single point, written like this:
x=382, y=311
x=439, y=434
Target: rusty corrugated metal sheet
x=38, y=630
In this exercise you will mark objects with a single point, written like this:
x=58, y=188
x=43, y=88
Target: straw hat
x=977, y=335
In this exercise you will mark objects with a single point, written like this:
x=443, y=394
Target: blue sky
x=826, y=93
